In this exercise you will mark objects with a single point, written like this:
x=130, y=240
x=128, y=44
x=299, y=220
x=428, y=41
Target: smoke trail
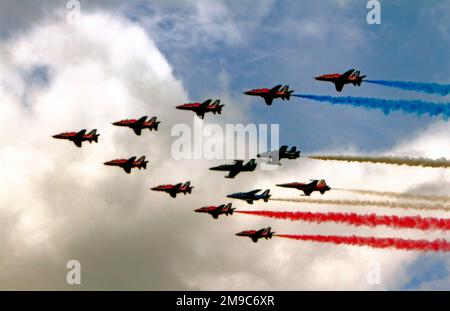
x=438, y=245
x=371, y=220
x=424, y=162
x=429, y=88
x=383, y=204
x=399, y=195
x=418, y=107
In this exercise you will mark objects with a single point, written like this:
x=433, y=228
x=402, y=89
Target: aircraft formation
x=272, y=157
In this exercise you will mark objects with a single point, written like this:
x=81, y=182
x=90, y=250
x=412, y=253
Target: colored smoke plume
x=417, y=107
x=438, y=245
x=382, y=204
x=424, y=162
x=370, y=220
x=400, y=195
x=429, y=88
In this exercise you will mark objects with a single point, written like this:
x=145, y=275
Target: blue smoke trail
x=429, y=88
x=418, y=107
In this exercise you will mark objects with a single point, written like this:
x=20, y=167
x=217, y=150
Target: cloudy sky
x=128, y=59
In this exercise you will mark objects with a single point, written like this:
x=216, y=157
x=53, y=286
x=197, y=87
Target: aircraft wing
x=346, y=75
x=268, y=100
x=141, y=120
x=339, y=86
x=138, y=131
x=259, y=233
x=127, y=169
x=313, y=184
x=238, y=162
x=201, y=114
x=253, y=192
x=283, y=149
x=275, y=89
x=131, y=160
x=173, y=194
x=206, y=104
x=307, y=192
x=233, y=172
x=78, y=138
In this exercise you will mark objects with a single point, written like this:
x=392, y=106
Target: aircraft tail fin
x=155, y=123
x=293, y=149
x=286, y=92
x=187, y=186
x=217, y=106
x=357, y=78
x=322, y=182
x=229, y=209
x=266, y=195
x=269, y=232
x=250, y=163
x=361, y=79
x=94, y=135
x=142, y=162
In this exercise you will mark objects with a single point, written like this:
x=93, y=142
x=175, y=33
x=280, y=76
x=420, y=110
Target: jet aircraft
x=78, y=137
x=173, y=190
x=340, y=80
x=255, y=235
x=215, y=211
x=236, y=168
x=251, y=196
x=201, y=108
x=138, y=125
x=127, y=165
x=314, y=185
x=270, y=94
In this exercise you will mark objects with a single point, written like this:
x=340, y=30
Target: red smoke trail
x=371, y=220
x=438, y=245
